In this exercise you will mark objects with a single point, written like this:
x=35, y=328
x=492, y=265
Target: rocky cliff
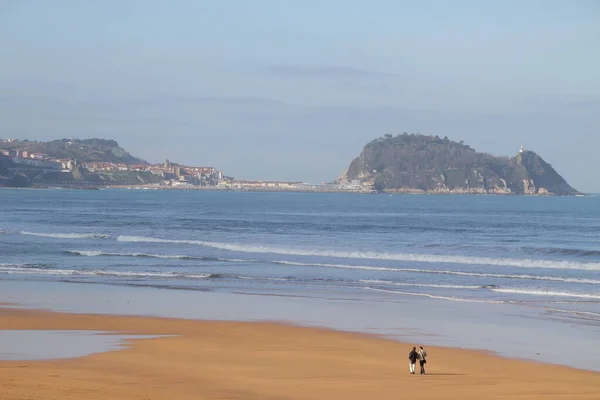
x=418, y=163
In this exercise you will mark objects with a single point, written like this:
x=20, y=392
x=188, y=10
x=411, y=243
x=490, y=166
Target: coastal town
x=48, y=170
x=405, y=163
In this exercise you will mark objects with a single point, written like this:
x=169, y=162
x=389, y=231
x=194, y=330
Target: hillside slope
x=84, y=150
x=418, y=163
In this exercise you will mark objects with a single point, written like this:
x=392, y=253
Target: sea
x=516, y=275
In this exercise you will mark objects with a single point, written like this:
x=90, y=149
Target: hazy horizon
x=267, y=90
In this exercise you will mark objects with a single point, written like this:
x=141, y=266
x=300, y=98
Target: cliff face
x=417, y=163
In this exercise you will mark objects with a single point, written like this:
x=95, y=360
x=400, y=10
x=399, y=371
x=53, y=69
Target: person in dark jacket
x=422, y=355
x=412, y=360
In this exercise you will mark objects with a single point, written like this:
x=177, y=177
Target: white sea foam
x=585, y=314
x=422, y=258
x=360, y=267
x=68, y=235
x=260, y=278
x=431, y=296
x=25, y=269
x=95, y=253
x=16, y=269
x=547, y=293
x=425, y=285
x=89, y=253
x=445, y=272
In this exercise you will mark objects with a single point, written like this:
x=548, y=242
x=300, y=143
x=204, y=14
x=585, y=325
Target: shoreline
x=446, y=324
x=268, y=360
x=299, y=190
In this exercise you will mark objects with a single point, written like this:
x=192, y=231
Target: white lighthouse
x=522, y=149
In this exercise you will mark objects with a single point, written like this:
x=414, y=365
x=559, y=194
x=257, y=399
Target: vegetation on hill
x=129, y=178
x=413, y=162
x=84, y=150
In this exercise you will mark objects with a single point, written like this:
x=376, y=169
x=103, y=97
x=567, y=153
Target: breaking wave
x=23, y=269
x=585, y=314
x=548, y=293
x=431, y=296
x=425, y=285
x=445, y=272
x=422, y=258
x=95, y=253
x=564, y=251
x=40, y=269
x=68, y=235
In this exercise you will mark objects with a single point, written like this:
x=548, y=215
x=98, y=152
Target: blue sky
x=294, y=89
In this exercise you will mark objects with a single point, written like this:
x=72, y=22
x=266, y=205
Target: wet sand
x=253, y=360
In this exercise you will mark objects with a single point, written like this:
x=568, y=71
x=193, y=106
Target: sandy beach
x=254, y=360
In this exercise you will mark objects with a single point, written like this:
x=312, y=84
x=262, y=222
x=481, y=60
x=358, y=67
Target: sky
x=292, y=90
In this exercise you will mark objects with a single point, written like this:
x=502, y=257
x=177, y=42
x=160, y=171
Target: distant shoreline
x=290, y=190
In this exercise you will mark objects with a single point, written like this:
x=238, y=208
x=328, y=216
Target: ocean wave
x=564, y=251
x=146, y=239
x=23, y=269
x=547, y=293
x=409, y=257
x=68, y=235
x=261, y=278
x=38, y=269
x=431, y=296
x=585, y=314
x=96, y=253
x=425, y=285
x=444, y=272
x=41, y=269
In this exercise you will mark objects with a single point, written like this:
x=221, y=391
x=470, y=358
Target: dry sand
x=239, y=360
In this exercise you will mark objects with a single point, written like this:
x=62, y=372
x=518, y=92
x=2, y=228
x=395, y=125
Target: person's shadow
x=443, y=374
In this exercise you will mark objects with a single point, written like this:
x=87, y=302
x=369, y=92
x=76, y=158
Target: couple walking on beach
x=415, y=355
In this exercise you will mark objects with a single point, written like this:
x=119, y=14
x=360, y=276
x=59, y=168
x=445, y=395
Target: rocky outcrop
x=429, y=164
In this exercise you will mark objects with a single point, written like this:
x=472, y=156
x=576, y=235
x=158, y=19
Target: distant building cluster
x=173, y=174
x=26, y=158
x=284, y=186
x=353, y=183
x=263, y=185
